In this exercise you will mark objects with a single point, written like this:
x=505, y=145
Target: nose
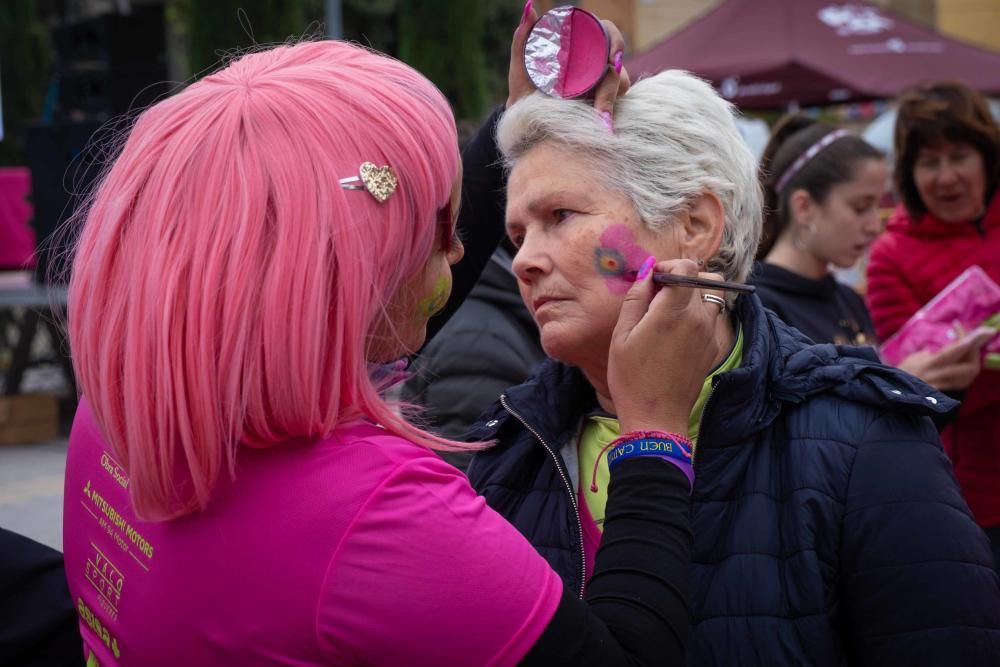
x=946, y=173
x=532, y=259
x=873, y=223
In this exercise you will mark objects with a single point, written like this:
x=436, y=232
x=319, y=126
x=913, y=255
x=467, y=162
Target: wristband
x=670, y=446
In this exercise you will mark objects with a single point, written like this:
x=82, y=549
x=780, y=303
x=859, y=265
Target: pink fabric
x=17, y=238
x=359, y=549
x=583, y=60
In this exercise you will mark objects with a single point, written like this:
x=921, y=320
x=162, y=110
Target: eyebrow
x=544, y=200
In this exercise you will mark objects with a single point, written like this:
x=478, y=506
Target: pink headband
x=810, y=153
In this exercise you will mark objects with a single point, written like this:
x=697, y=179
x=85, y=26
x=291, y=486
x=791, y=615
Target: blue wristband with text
x=671, y=448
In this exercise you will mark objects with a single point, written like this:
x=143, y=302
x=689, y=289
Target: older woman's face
x=576, y=240
x=951, y=181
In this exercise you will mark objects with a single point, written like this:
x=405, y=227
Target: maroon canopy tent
x=772, y=53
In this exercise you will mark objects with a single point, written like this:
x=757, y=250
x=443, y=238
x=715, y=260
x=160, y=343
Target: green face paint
x=432, y=304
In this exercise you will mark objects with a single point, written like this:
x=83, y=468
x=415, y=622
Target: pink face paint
x=618, y=255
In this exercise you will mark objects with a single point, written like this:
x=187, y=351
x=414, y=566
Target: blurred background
x=73, y=72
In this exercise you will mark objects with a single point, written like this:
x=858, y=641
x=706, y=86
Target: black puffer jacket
x=827, y=523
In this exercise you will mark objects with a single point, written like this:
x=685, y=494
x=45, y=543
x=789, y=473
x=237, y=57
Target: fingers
x=954, y=377
x=967, y=347
x=637, y=301
x=714, y=300
x=677, y=298
x=624, y=82
x=611, y=85
x=980, y=337
x=518, y=82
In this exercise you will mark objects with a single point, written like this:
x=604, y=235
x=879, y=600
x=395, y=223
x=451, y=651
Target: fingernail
x=527, y=11
x=646, y=267
x=608, y=123
x=618, y=62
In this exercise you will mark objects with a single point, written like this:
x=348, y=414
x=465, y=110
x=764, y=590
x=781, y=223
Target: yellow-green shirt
x=599, y=431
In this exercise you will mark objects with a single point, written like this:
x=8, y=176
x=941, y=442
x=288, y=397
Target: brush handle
x=672, y=279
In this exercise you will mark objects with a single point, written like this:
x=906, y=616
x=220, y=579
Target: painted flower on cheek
x=609, y=261
x=617, y=255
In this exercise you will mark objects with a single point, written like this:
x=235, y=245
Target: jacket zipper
x=701, y=431
x=569, y=489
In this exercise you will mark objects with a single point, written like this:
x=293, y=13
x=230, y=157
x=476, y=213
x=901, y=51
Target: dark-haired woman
x=821, y=186
x=947, y=173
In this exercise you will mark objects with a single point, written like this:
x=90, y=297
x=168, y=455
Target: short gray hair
x=674, y=139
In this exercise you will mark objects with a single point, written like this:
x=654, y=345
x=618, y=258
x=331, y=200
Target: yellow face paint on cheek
x=432, y=304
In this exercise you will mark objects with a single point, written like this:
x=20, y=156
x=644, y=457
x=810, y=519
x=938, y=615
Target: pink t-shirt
x=361, y=549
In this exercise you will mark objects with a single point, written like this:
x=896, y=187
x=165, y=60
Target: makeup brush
x=684, y=281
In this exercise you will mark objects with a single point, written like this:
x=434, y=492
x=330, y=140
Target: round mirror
x=566, y=53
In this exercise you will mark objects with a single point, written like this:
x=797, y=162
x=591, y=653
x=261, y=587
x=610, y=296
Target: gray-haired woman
x=828, y=528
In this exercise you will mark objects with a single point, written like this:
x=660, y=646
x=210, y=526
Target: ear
x=700, y=231
x=801, y=208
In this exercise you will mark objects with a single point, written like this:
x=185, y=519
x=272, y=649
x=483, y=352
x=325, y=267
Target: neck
x=597, y=375
x=787, y=256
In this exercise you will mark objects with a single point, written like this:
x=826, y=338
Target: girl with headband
x=822, y=188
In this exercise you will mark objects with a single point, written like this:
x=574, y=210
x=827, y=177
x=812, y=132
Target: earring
x=700, y=261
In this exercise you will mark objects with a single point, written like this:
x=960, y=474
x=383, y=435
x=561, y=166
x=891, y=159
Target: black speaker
x=111, y=63
x=64, y=162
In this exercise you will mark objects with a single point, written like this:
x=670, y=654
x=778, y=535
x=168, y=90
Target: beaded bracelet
x=671, y=446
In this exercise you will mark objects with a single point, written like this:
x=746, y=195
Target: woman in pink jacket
x=948, y=176
x=238, y=491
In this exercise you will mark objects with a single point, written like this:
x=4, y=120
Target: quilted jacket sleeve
x=463, y=374
x=917, y=577
x=890, y=297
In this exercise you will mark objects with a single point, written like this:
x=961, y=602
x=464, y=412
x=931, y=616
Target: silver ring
x=717, y=300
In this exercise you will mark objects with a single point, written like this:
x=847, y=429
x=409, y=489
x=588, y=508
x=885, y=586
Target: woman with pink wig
x=238, y=491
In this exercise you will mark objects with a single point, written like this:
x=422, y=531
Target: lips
x=950, y=199
x=542, y=300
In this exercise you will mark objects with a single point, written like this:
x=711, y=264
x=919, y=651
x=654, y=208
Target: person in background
x=821, y=188
x=947, y=174
x=490, y=344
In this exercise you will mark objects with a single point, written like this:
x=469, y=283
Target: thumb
x=637, y=300
x=528, y=18
x=518, y=82
x=969, y=345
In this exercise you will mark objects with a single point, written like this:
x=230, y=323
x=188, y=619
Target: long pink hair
x=224, y=284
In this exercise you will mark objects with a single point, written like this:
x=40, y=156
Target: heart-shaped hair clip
x=380, y=182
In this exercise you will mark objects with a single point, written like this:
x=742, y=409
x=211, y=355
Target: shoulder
x=379, y=445
x=868, y=461
x=886, y=247
x=425, y=538
x=882, y=452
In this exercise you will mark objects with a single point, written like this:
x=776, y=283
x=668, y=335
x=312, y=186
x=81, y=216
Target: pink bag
x=972, y=300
